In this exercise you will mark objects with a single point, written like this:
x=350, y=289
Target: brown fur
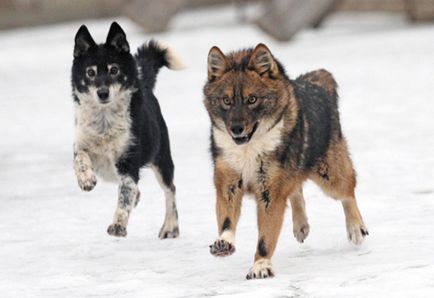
x=321, y=78
x=298, y=137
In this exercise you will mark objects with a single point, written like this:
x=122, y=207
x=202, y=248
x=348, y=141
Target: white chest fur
x=245, y=159
x=103, y=131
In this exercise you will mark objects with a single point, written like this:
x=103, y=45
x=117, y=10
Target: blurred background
x=282, y=19
x=53, y=239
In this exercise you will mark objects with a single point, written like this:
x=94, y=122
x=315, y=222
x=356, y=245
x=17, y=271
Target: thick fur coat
x=269, y=134
x=119, y=127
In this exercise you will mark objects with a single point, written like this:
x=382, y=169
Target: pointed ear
x=262, y=61
x=83, y=41
x=217, y=63
x=117, y=38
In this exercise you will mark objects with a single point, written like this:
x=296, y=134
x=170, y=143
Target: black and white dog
x=119, y=127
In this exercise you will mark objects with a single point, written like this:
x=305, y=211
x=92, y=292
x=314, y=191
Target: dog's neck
x=106, y=120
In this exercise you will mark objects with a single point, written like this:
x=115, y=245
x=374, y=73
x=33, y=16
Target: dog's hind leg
x=337, y=178
x=127, y=197
x=83, y=170
x=164, y=175
x=229, y=186
x=299, y=219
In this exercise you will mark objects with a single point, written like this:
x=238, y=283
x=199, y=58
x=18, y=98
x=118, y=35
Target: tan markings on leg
x=229, y=188
x=356, y=229
x=170, y=227
x=270, y=221
x=127, y=196
x=336, y=177
x=270, y=212
x=299, y=218
x=83, y=170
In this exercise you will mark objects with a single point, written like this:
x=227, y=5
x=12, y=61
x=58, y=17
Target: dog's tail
x=153, y=55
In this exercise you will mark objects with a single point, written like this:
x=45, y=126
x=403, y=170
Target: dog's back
x=318, y=118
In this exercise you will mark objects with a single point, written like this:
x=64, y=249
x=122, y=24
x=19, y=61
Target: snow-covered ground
x=53, y=236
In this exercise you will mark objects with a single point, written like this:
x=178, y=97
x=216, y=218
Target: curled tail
x=153, y=55
x=321, y=78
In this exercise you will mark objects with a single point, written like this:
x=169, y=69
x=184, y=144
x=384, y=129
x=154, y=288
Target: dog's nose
x=237, y=129
x=103, y=94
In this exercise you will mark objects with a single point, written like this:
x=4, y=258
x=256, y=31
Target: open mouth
x=246, y=138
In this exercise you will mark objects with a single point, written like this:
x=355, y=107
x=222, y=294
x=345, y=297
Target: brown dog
x=269, y=135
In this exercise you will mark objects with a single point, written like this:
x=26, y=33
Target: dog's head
x=102, y=73
x=246, y=92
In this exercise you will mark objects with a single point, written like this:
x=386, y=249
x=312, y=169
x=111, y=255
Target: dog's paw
x=301, y=231
x=356, y=233
x=261, y=269
x=168, y=232
x=221, y=248
x=117, y=230
x=86, y=180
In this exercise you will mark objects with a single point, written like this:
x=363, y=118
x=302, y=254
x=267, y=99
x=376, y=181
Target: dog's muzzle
x=103, y=94
x=239, y=140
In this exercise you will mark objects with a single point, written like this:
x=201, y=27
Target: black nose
x=103, y=93
x=237, y=129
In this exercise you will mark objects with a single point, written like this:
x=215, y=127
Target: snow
x=54, y=241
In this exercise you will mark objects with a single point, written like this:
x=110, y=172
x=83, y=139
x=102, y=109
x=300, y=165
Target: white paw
x=301, y=231
x=86, y=180
x=169, y=229
x=261, y=269
x=356, y=232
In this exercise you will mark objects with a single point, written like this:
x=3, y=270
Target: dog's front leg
x=127, y=197
x=84, y=171
x=271, y=198
x=229, y=187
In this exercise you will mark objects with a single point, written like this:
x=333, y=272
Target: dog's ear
x=217, y=63
x=262, y=61
x=83, y=41
x=116, y=38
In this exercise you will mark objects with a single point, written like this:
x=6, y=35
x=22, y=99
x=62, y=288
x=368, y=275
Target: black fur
x=150, y=59
x=262, y=250
x=226, y=224
x=319, y=110
x=151, y=141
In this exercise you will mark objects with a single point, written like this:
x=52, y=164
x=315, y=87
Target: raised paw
x=301, y=231
x=117, y=230
x=86, y=180
x=221, y=248
x=261, y=269
x=356, y=233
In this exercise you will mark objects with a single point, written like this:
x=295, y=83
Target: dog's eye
x=226, y=101
x=252, y=100
x=114, y=70
x=91, y=73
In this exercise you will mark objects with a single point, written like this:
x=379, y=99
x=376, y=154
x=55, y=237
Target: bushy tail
x=153, y=55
